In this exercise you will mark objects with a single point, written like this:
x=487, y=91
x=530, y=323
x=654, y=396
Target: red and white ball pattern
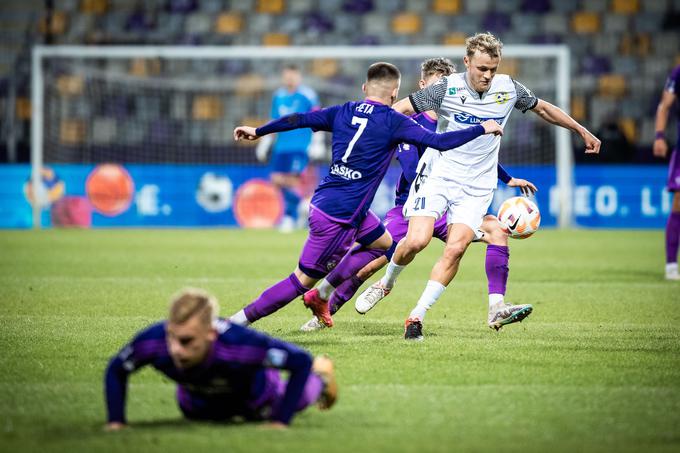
x=519, y=217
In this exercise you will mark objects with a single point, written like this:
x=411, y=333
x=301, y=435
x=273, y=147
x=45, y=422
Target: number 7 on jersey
x=362, y=122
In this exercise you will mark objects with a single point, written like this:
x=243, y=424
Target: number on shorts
x=419, y=203
x=362, y=122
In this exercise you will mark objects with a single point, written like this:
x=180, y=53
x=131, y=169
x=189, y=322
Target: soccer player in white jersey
x=461, y=185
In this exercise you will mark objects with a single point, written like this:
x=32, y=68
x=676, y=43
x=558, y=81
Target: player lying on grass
x=365, y=134
x=222, y=370
x=460, y=185
x=341, y=285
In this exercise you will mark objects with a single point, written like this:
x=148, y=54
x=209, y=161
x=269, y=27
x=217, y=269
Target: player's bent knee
x=454, y=252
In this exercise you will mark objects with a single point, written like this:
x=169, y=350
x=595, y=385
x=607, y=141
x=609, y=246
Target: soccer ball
x=519, y=217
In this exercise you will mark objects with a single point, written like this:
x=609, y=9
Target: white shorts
x=434, y=197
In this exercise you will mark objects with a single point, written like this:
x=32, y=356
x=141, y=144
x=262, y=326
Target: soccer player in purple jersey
x=668, y=98
x=222, y=370
x=365, y=134
x=342, y=283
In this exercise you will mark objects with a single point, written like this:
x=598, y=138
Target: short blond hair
x=190, y=302
x=484, y=42
x=439, y=65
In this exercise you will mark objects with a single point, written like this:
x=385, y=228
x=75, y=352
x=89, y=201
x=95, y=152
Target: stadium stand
x=630, y=45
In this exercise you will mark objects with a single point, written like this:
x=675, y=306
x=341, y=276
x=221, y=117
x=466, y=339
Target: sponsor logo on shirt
x=455, y=90
x=345, y=172
x=502, y=97
x=465, y=118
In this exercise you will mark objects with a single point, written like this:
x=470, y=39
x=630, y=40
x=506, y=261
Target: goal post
x=545, y=69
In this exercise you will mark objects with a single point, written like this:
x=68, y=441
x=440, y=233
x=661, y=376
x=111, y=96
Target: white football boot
x=370, y=297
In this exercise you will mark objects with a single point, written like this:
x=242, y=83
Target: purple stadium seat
x=595, y=65
x=318, y=22
x=496, y=22
x=181, y=6
x=536, y=6
x=358, y=6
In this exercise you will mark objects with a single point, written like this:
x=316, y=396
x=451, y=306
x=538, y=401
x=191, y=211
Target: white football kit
x=461, y=181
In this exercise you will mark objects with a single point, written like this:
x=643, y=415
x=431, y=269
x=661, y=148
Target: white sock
x=671, y=268
x=430, y=295
x=495, y=299
x=240, y=318
x=391, y=274
x=325, y=289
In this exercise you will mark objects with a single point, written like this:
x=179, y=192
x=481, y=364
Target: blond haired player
x=461, y=185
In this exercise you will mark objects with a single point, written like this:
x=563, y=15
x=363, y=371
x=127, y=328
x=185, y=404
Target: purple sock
x=343, y=293
x=274, y=298
x=352, y=263
x=672, y=237
x=497, y=257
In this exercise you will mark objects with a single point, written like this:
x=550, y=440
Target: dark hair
x=382, y=71
x=291, y=67
x=439, y=65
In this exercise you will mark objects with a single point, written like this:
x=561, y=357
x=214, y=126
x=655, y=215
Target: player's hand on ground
x=526, y=187
x=245, y=133
x=114, y=426
x=592, y=143
x=660, y=148
x=492, y=127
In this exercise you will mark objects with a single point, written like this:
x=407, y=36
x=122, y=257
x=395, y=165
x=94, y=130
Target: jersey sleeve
x=503, y=175
x=250, y=347
x=318, y=120
x=408, y=159
x=673, y=81
x=429, y=98
x=409, y=131
x=525, y=98
x=142, y=350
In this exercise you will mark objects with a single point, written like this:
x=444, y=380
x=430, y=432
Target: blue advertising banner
x=208, y=195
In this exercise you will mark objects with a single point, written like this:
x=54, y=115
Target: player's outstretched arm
x=245, y=133
x=559, y=117
x=404, y=106
x=662, y=110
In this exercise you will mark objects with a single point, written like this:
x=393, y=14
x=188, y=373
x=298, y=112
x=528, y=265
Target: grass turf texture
x=596, y=367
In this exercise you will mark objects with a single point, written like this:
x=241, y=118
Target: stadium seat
x=497, y=22
x=58, y=24
x=406, y=24
x=536, y=6
x=635, y=44
x=510, y=66
x=198, y=24
x=206, y=107
x=578, y=107
x=629, y=128
x=357, y=6
x=229, y=23
x=143, y=67
x=616, y=23
x=625, y=6
x=375, y=24
x=275, y=39
x=595, y=65
x=325, y=67
x=72, y=131
x=70, y=85
x=554, y=23
x=446, y=6
x=596, y=6
x=23, y=108
x=270, y=6
x=478, y=6
x=94, y=6
x=612, y=85
x=454, y=39
x=249, y=84
x=585, y=22
x=104, y=130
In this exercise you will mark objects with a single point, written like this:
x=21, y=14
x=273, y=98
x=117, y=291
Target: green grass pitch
x=596, y=367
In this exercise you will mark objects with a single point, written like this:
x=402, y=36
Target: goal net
x=173, y=107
